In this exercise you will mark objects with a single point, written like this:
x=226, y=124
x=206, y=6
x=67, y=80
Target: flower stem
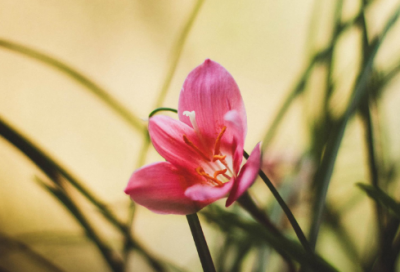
x=162, y=109
x=201, y=244
x=248, y=204
x=285, y=208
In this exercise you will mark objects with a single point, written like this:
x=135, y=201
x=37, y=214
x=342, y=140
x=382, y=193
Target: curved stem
x=201, y=244
x=285, y=208
x=162, y=109
x=248, y=204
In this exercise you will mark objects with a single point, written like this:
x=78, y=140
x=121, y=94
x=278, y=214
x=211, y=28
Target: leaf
x=56, y=172
x=381, y=197
x=256, y=232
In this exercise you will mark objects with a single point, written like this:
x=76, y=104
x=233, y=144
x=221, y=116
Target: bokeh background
x=129, y=48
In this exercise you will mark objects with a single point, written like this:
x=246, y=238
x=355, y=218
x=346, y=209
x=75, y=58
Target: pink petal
x=247, y=175
x=236, y=125
x=207, y=194
x=211, y=92
x=161, y=187
x=167, y=137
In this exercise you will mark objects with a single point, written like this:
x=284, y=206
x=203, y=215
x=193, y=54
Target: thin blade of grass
x=257, y=232
x=296, y=227
x=73, y=73
x=300, y=85
x=324, y=173
x=381, y=198
x=53, y=170
x=177, y=52
x=109, y=256
x=9, y=244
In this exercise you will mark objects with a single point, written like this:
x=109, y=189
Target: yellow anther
x=219, y=157
x=219, y=172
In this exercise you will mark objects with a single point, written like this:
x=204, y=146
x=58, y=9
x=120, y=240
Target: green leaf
x=257, y=233
x=62, y=196
x=57, y=173
x=381, y=197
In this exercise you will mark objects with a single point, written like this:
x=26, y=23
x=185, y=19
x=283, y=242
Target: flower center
x=217, y=164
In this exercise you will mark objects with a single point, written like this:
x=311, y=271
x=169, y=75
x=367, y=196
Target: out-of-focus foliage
x=320, y=83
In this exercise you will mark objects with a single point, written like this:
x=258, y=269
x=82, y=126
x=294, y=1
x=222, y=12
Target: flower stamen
x=214, y=180
x=218, y=142
x=192, y=145
x=219, y=172
x=219, y=157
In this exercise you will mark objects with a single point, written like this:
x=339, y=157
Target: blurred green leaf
x=177, y=52
x=257, y=233
x=381, y=197
x=323, y=175
x=111, y=258
x=8, y=245
x=55, y=171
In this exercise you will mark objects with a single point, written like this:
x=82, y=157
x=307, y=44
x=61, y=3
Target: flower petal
x=211, y=92
x=167, y=137
x=161, y=187
x=247, y=175
x=207, y=194
x=236, y=125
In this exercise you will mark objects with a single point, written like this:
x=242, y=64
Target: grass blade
x=177, y=52
x=8, y=244
x=257, y=232
x=324, y=172
x=54, y=169
x=381, y=198
x=90, y=85
x=61, y=195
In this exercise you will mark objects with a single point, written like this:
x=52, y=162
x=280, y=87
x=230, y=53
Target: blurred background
x=70, y=71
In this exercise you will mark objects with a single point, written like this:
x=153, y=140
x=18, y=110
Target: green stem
x=285, y=208
x=248, y=204
x=177, y=52
x=200, y=242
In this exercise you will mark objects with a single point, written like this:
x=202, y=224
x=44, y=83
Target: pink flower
x=203, y=149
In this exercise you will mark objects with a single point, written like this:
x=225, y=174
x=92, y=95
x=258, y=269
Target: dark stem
x=285, y=208
x=248, y=204
x=200, y=242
